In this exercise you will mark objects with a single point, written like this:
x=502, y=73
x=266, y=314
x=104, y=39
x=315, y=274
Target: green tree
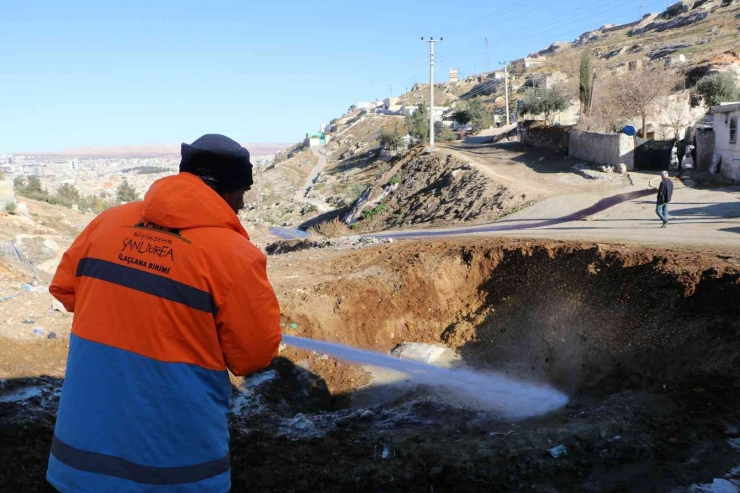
x=544, y=102
x=126, y=192
x=34, y=184
x=418, y=124
x=717, y=88
x=478, y=115
x=445, y=134
x=391, y=135
x=18, y=183
x=586, y=82
x=68, y=193
x=97, y=205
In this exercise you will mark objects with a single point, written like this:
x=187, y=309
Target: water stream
x=507, y=396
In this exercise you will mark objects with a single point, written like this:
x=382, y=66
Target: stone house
x=726, y=142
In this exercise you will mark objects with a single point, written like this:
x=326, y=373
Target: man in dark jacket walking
x=665, y=193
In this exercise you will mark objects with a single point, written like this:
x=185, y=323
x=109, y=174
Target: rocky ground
x=644, y=342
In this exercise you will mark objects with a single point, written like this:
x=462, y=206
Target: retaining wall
x=537, y=134
x=605, y=149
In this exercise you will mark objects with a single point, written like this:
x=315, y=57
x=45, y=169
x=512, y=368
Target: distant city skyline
x=84, y=73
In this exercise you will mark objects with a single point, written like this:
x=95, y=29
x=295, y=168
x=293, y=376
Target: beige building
x=453, y=75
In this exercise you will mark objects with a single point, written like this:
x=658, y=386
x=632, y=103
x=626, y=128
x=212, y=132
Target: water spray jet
x=509, y=397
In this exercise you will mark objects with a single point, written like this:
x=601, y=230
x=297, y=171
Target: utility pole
x=488, y=58
x=642, y=8
x=390, y=93
x=431, y=42
x=506, y=85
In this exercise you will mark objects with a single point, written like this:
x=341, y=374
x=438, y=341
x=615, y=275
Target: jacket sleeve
x=64, y=283
x=249, y=321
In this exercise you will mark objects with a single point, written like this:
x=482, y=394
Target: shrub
x=369, y=213
x=68, y=193
x=717, y=88
x=333, y=228
x=445, y=134
x=394, y=180
x=10, y=208
x=392, y=135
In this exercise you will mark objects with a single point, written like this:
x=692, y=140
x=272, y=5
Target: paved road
x=700, y=219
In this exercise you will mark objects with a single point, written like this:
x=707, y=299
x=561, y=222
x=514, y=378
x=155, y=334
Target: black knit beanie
x=220, y=162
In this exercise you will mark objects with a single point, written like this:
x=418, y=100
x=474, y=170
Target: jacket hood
x=183, y=201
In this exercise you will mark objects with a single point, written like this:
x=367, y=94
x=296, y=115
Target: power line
x=519, y=40
x=548, y=22
x=498, y=14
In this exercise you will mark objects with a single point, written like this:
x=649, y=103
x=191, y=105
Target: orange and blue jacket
x=167, y=295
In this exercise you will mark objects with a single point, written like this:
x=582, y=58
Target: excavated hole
x=587, y=321
x=646, y=344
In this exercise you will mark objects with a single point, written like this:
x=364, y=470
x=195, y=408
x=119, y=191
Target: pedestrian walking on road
x=665, y=193
x=168, y=294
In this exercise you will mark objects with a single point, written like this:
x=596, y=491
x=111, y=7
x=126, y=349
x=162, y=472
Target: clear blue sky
x=98, y=73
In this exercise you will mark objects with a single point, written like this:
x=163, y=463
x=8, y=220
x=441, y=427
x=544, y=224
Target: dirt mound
x=435, y=189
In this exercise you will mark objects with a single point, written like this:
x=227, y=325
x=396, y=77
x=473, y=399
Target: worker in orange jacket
x=167, y=295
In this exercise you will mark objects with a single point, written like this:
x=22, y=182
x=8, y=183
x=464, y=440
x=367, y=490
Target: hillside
x=696, y=37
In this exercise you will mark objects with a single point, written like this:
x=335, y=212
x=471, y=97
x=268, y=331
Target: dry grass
x=334, y=228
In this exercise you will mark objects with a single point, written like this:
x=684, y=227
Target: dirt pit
x=645, y=343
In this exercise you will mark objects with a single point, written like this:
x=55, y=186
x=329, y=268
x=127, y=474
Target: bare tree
x=607, y=113
x=675, y=116
x=638, y=89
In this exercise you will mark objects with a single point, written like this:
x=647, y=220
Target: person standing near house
x=167, y=295
x=665, y=194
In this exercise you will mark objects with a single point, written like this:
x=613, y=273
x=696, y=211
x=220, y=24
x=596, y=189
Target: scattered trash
x=558, y=451
x=717, y=486
x=40, y=289
x=385, y=451
x=616, y=438
x=300, y=422
x=28, y=321
x=734, y=443
x=27, y=288
x=38, y=331
x=52, y=335
x=57, y=306
x=10, y=297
